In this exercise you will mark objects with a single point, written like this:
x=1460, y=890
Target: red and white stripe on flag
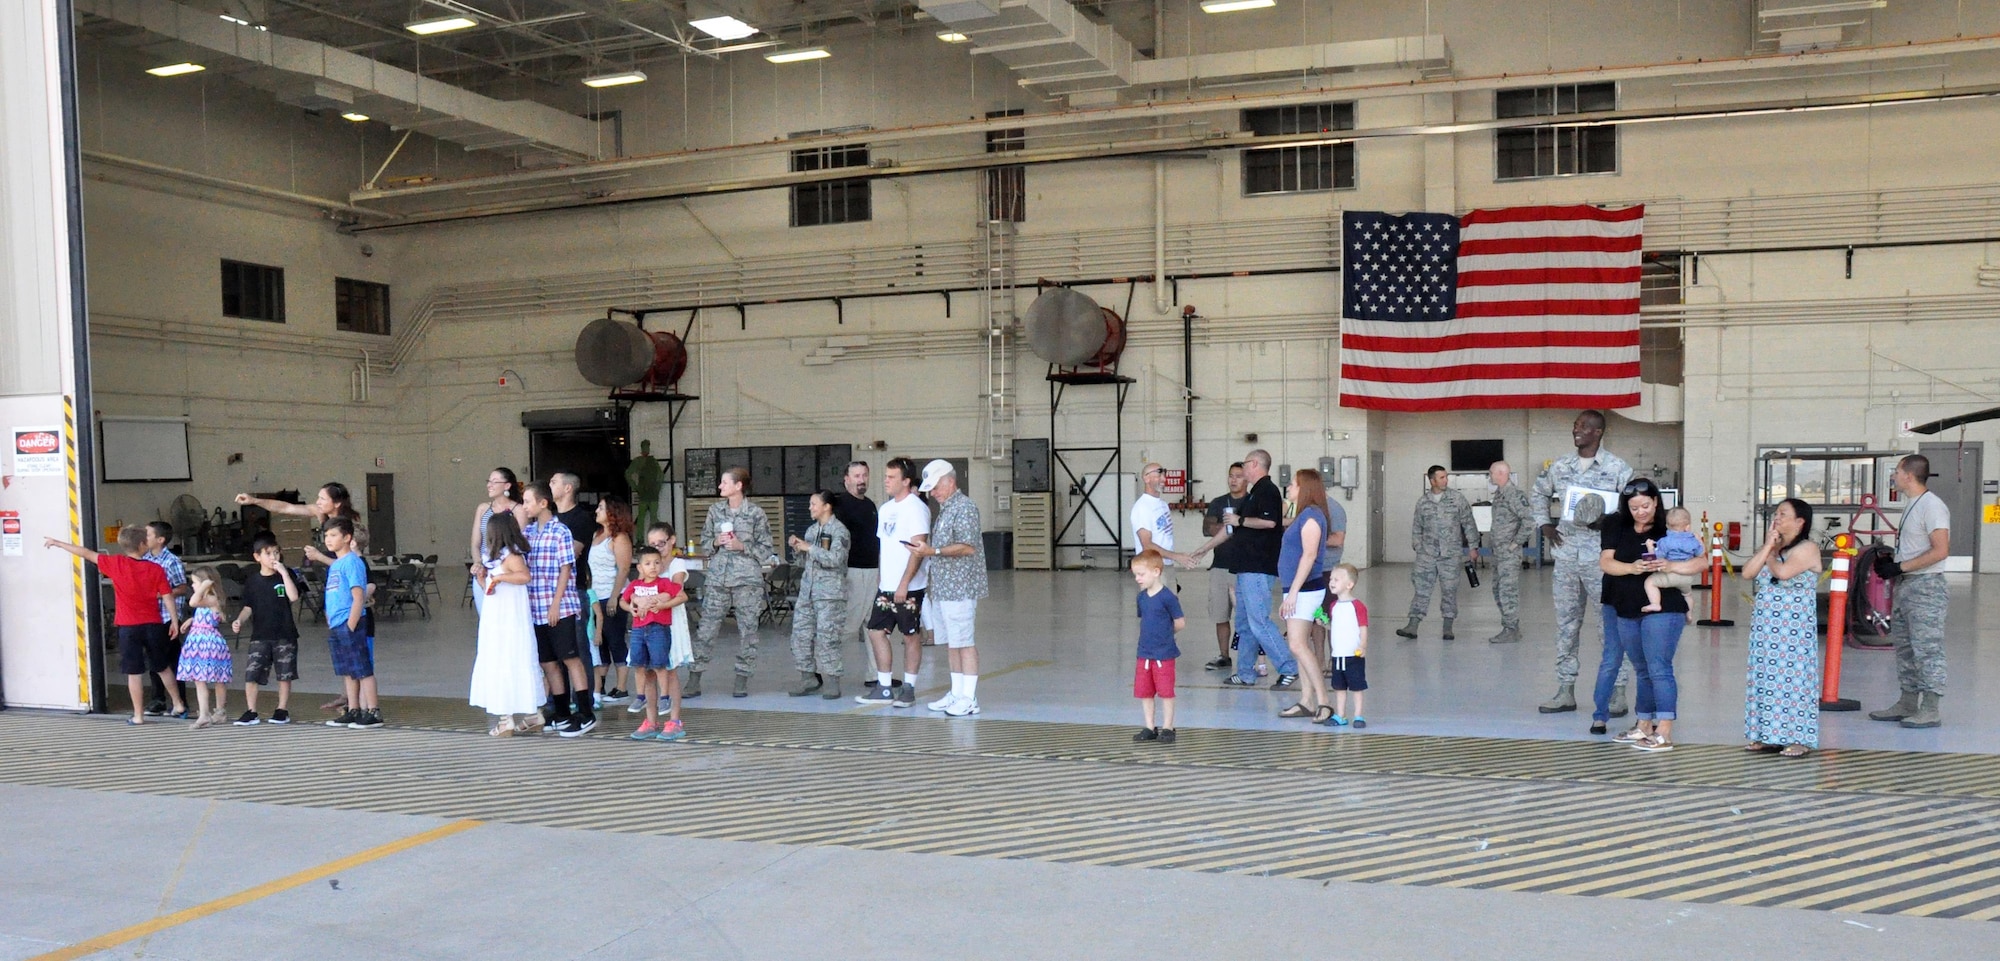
x=1547, y=315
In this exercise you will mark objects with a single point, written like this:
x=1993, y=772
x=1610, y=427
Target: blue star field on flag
x=1398, y=267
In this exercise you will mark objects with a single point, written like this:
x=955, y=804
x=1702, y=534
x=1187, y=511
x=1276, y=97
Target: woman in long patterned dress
x=1781, y=706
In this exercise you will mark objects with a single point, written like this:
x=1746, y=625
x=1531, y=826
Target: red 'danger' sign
x=38, y=452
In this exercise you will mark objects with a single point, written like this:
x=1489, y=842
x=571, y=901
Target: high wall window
x=360, y=306
x=1006, y=187
x=830, y=201
x=1317, y=166
x=253, y=291
x=1527, y=152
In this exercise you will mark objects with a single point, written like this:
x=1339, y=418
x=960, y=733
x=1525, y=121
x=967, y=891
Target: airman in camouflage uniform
x=1576, y=545
x=1923, y=541
x=820, y=612
x=737, y=537
x=1444, y=536
x=1513, y=520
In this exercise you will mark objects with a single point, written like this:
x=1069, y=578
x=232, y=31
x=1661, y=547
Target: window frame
x=1340, y=115
x=366, y=287
x=1555, y=148
x=273, y=293
x=1011, y=178
x=820, y=192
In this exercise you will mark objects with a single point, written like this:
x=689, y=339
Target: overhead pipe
x=272, y=193
x=1227, y=103
x=1180, y=146
x=1161, y=303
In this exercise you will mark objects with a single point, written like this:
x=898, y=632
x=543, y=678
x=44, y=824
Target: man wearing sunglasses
x=1572, y=538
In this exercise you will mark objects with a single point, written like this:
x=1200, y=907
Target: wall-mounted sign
x=38, y=452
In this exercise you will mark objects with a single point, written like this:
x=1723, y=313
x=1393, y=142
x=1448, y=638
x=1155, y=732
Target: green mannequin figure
x=645, y=477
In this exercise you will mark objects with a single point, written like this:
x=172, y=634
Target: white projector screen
x=144, y=450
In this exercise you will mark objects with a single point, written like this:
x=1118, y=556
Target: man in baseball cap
x=957, y=560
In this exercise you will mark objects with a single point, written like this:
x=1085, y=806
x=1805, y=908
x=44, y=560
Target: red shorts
x=1153, y=679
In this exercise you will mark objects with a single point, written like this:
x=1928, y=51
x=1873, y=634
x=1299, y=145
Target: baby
x=1680, y=544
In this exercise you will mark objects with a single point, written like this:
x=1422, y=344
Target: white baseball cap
x=934, y=472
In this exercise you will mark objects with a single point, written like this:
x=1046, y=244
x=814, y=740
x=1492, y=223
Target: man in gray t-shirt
x=1916, y=624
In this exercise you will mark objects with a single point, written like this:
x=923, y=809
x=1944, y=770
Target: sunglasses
x=1639, y=487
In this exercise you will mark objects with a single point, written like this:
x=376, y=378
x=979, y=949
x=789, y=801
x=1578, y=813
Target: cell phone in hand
x=912, y=545
x=1649, y=556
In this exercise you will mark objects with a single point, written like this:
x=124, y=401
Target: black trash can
x=999, y=550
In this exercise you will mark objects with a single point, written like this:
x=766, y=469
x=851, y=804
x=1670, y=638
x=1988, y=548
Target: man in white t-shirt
x=902, y=521
x=1153, y=522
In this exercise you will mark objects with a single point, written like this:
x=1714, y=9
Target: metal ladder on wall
x=996, y=295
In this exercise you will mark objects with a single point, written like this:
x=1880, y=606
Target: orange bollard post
x=1714, y=618
x=1836, y=625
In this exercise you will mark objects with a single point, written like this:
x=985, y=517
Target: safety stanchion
x=1709, y=570
x=1714, y=618
x=1836, y=625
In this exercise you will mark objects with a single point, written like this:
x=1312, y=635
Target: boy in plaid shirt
x=554, y=605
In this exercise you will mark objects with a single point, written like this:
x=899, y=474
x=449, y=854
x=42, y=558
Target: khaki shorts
x=1666, y=581
x=1221, y=595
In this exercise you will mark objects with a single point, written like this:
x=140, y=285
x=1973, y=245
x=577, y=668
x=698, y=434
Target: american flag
x=1501, y=309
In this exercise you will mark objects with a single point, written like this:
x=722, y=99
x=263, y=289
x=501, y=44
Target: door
x=596, y=455
x=1955, y=477
x=382, y=513
x=1378, y=472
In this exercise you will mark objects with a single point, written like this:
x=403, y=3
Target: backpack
x=1870, y=601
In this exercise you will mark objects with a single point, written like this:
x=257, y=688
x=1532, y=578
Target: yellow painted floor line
x=105, y=942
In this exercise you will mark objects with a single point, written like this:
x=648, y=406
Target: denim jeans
x=1649, y=642
x=1255, y=630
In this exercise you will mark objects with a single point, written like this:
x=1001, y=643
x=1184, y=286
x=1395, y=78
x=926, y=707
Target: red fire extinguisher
x=1735, y=536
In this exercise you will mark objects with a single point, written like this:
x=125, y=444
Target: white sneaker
x=944, y=703
x=963, y=707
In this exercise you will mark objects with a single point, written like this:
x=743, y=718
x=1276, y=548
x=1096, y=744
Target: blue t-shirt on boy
x=345, y=574
x=1157, y=613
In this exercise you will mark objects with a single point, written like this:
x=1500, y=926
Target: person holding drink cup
x=820, y=613
x=738, y=538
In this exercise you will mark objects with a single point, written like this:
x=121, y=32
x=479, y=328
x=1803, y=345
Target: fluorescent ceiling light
x=235, y=20
x=615, y=79
x=356, y=117
x=176, y=69
x=746, y=45
x=723, y=28
x=802, y=53
x=425, y=28
x=952, y=36
x=1231, y=6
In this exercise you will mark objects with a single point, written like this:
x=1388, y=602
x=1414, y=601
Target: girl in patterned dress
x=205, y=657
x=1781, y=705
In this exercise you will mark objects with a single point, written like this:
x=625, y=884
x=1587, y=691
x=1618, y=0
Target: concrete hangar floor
x=1461, y=824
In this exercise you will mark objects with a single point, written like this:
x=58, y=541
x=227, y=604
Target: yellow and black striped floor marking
x=1306, y=749
x=1908, y=853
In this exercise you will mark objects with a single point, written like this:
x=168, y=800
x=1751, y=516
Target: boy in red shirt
x=651, y=601
x=145, y=637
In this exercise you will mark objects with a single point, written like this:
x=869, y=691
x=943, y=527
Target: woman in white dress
x=506, y=678
x=503, y=494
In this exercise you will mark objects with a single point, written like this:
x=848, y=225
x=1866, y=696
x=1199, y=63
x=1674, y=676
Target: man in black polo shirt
x=1222, y=574
x=1257, y=529
x=854, y=511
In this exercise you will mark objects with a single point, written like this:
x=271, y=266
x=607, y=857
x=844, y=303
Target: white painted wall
x=43, y=631
x=443, y=420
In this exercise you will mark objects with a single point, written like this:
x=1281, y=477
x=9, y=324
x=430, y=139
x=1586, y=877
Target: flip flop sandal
x=1323, y=715
x=1795, y=750
x=1296, y=710
x=1759, y=747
